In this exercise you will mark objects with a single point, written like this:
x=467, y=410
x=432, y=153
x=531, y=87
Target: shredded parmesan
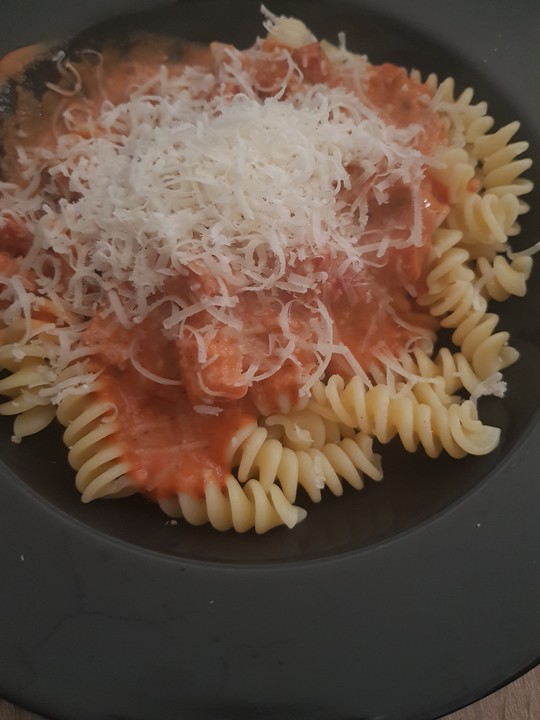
x=185, y=179
x=68, y=71
x=207, y=409
x=528, y=252
x=492, y=385
x=148, y=374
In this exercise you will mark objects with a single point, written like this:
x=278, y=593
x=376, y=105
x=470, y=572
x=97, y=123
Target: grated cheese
x=207, y=409
x=185, y=178
x=492, y=385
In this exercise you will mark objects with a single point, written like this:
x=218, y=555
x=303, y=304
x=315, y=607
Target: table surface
x=518, y=701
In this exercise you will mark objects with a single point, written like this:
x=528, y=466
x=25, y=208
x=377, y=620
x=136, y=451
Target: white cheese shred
x=182, y=179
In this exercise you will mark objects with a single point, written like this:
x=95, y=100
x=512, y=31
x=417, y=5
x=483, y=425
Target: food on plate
x=226, y=273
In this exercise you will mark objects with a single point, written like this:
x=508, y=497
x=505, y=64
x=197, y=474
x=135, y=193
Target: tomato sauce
x=15, y=238
x=402, y=101
x=170, y=446
x=167, y=436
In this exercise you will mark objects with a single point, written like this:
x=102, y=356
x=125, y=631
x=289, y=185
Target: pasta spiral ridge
x=482, y=171
x=502, y=278
x=25, y=353
x=466, y=120
x=455, y=429
x=22, y=386
x=29, y=373
x=500, y=165
x=456, y=174
x=90, y=428
x=453, y=297
x=101, y=472
x=304, y=429
x=312, y=468
x=237, y=506
x=486, y=350
x=487, y=219
x=447, y=262
x=453, y=369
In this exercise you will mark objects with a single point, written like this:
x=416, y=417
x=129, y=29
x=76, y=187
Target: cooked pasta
x=90, y=432
x=455, y=297
x=28, y=378
x=486, y=219
x=500, y=166
x=309, y=464
x=225, y=273
x=304, y=429
x=449, y=370
x=32, y=411
x=377, y=412
x=503, y=278
x=240, y=506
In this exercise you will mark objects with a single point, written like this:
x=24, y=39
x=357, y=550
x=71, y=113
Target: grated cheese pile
x=185, y=178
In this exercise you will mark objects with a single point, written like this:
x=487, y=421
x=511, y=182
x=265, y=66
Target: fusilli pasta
x=239, y=506
x=313, y=466
x=377, y=412
x=90, y=433
x=28, y=374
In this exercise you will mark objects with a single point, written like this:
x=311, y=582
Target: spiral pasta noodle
x=237, y=506
x=375, y=411
x=29, y=374
x=483, y=172
x=486, y=220
x=90, y=433
x=466, y=120
x=501, y=167
x=452, y=368
x=454, y=298
x=502, y=278
x=303, y=429
x=312, y=468
x=23, y=385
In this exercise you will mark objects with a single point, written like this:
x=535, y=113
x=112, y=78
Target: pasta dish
x=229, y=274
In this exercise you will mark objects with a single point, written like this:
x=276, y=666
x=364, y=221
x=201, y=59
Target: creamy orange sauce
x=170, y=446
x=402, y=101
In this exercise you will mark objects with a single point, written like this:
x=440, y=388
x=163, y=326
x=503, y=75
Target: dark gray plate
x=402, y=602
